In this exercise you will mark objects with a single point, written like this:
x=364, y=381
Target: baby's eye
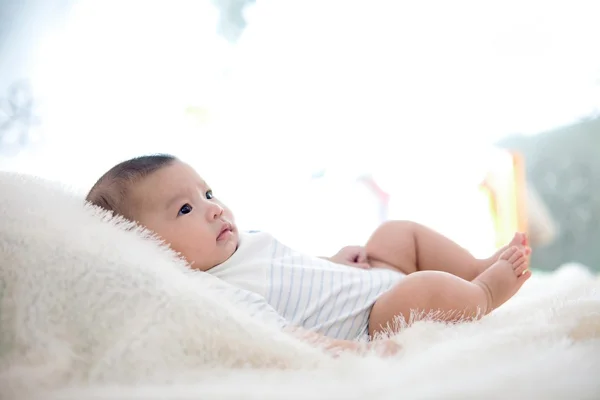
x=185, y=209
x=209, y=194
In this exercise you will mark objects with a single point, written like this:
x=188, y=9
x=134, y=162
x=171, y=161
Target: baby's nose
x=215, y=211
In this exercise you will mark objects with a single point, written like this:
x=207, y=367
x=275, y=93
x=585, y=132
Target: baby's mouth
x=226, y=232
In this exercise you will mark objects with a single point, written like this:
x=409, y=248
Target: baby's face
x=179, y=206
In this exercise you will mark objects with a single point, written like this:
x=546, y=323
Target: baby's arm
x=384, y=347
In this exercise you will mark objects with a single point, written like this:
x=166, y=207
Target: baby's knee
x=392, y=232
x=397, y=225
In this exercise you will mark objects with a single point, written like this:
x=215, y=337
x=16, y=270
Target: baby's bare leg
x=426, y=291
x=409, y=247
x=451, y=297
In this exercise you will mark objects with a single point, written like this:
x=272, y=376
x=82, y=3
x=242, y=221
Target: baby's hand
x=355, y=256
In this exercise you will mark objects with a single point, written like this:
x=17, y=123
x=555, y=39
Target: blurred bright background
x=316, y=120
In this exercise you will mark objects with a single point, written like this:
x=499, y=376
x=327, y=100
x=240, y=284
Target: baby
x=352, y=296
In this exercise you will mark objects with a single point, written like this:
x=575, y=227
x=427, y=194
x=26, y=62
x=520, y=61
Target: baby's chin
x=231, y=247
x=225, y=249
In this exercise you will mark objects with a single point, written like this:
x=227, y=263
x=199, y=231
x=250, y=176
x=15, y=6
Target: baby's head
x=168, y=197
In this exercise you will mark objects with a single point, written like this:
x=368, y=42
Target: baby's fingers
x=361, y=257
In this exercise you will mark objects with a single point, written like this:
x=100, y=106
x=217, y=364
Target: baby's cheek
x=228, y=214
x=186, y=245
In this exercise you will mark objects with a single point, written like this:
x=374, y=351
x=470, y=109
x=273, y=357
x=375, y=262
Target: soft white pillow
x=88, y=297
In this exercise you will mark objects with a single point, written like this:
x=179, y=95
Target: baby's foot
x=505, y=277
x=519, y=240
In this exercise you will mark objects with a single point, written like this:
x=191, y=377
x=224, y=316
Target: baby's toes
x=522, y=237
x=508, y=253
x=525, y=240
x=520, y=266
x=523, y=277
x=517, y=255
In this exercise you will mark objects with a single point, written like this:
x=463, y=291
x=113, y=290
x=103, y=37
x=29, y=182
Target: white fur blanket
x=90, y=308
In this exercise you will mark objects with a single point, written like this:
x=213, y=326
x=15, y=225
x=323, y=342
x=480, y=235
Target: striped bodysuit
x=332, y=299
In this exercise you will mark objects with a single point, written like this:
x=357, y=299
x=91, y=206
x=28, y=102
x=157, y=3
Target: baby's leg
x=451, y=297
x=409, y=247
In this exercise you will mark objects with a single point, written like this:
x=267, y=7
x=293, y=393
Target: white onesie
x=332, y=299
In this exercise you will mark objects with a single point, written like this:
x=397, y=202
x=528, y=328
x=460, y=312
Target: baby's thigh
x=414, y=293
x=392, y=246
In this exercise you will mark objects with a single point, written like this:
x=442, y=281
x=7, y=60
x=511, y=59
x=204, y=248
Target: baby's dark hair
x=111, y=191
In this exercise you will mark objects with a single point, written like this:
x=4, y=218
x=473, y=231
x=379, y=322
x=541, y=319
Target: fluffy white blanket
x=91, y=307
